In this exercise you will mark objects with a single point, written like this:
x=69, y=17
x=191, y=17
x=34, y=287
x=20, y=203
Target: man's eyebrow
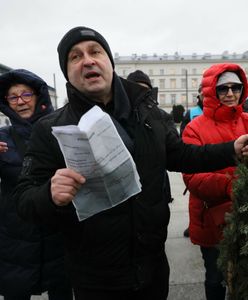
x=73, y=49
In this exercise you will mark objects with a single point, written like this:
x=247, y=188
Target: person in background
x=224, y=88
x=189, y=116
x=143, y=79
x=31, y=256
x=193, y=112
x=117, y=253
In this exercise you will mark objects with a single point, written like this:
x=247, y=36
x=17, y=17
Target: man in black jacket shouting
x=117, y=253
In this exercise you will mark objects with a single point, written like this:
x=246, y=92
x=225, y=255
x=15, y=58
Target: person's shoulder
x=195, y=112
x=198, y=119
x=56, y=117
x=197, y=123
x=165, y=114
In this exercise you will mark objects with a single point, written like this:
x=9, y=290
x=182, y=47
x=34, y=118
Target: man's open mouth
x=92, y=75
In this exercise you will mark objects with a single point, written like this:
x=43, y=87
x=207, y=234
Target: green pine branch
x=234, y=246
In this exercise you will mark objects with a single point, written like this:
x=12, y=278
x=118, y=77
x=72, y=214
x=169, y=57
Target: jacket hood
x=211, y=104
x=43, y=105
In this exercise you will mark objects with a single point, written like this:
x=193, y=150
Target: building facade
x=52, y=92
x=176, y=76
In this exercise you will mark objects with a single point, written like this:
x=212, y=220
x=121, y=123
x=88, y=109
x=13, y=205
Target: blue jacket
x=31, y=257
x=190, y=115
x=195, y=112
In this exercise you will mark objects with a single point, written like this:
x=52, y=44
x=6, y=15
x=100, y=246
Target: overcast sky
x=30, y=30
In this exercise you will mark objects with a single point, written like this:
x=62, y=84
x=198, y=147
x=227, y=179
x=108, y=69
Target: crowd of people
x=118, y=253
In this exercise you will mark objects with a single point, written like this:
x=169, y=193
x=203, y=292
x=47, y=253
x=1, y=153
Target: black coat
x=31, y=256
x=121, y=247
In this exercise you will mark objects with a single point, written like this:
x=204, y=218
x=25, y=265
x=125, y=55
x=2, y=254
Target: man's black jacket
x=122, y=247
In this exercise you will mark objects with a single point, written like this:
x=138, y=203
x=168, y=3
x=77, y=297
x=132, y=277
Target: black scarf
x=118, y=108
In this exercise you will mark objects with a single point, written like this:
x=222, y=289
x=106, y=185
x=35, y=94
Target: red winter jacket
x=219, y=123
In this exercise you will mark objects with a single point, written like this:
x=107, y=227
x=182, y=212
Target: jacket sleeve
x=212, y=187
x=32, y=194
x=189, y=158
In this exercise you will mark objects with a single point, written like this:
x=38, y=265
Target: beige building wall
x=176, y=76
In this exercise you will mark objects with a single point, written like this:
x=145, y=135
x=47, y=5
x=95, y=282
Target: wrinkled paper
x=94, y=149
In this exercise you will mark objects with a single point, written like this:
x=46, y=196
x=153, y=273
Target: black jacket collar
x=119, y=107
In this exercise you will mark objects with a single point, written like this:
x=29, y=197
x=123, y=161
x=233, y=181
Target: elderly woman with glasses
x=224, y=88
x=31, y=256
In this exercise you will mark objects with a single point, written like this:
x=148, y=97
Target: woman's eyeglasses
x=26, y=97
x=224, y=89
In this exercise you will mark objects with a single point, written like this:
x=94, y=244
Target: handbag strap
x=20, y=143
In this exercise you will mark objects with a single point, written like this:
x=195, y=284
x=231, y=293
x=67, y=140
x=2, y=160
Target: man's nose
x=88, y=60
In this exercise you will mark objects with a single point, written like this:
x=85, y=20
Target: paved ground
x=187, y=274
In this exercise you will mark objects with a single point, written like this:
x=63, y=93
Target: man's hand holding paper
x=95, y=150
x=64, y=185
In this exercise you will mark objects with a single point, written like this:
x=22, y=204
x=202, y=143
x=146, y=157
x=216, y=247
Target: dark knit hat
x=76, y=35
x=140, y=76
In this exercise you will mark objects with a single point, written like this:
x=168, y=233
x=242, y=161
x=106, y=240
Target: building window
x=194, y=98
x=194, y=71
x=150, y=72
x=183, y=98
x=173, y=99
x=162, y=83
x=152, y=81
x=124, y=73
x=162, y=99
x=194, y=82
x=172, y=72
x=161, y=71
x=184, y=71
x=183, y=83
x=172, y=83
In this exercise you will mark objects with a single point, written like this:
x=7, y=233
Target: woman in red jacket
x=224, y=88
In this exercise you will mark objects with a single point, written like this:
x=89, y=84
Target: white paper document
x=94, y=149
